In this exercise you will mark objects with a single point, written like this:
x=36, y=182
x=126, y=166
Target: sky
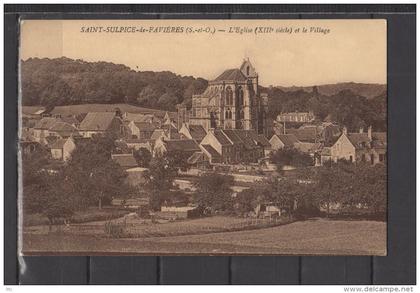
x=334, y=51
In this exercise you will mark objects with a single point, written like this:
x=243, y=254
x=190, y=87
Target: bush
x=115, y=230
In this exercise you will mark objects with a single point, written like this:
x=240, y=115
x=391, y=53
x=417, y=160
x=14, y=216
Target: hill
x=368, y=90
x=63, y=81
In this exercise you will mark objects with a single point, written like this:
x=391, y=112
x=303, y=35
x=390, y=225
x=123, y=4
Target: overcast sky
x=353, y=50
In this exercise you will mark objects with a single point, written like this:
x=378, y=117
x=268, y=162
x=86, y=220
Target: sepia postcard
x=203, y=137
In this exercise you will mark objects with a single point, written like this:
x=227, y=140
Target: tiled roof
x=146, y=126
x=308, y=147
x=215, y=156
x=231, y=75
x=308, y=134
x=124, y=160
x=46, y=123
x=288, y=139
x=196, y=157
x=379, y=139
x=97, y=121
x=70, y=120
x=221, y=137
x=359, y=140
x=197, y=132
x=186, y=145
x=63, y=127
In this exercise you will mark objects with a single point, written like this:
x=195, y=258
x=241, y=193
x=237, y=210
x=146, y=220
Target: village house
x=126, y=161
x=186, y=146
x=63, y=130
x=232, y=146
x=142, y=130
x=62, y=148
x=98, y=123
x=296, y=117
x=42, y=127
x=195, y=132
x=357, y=147
x=166, y=132
x=137, y=144
x=141, y=117
x=280, y=141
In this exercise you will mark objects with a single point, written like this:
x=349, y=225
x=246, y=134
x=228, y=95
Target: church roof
x=231, y=74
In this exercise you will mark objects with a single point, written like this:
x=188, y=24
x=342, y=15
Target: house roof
x=215, y=156
x=308, y=147
x=146, y=126
x=359, y=140
x=379, y=139
x=124, y=160
x=308, y=134
x=186, y=145
x=197, y=132
x=247, y=137
x=221, y=137
x=231, y=75
x=70, y=120
x=97, y=121
x=46, y=123
x=59, y=143
x=196, y=157
x=288, y=139
x=63, y=127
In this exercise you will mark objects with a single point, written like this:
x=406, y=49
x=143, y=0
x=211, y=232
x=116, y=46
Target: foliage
x=246, y=201
x=63, y=81
x=345, y=107
x=46, y=190
x=214, y=192
x=93, y=174
x=178, y=159
x=159, y=181
x=143, y=157
x=290, y=157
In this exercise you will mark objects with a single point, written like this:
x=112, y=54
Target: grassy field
x=312, y=237
x=135, y=227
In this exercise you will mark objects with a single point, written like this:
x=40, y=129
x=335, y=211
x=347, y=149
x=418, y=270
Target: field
x=311, y=237
x=135, y=227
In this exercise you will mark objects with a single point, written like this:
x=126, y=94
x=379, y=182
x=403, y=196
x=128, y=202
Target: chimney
x=369, y=132
x=345, y=130
x=361, y=130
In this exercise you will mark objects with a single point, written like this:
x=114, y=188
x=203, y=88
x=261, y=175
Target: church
x=231, y=101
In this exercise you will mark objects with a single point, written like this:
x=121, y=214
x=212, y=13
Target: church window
x=241, y=114
x=228, y=114
x=229, y=96
x=240, y=96
x=247, y=70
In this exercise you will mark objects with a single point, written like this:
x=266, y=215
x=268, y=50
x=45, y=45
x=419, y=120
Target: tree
x=93, y=174
x=178, y=159
x=214, y=192
x=143, y=157
x=246, y=200
x=290, y=157
x=159, y=181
